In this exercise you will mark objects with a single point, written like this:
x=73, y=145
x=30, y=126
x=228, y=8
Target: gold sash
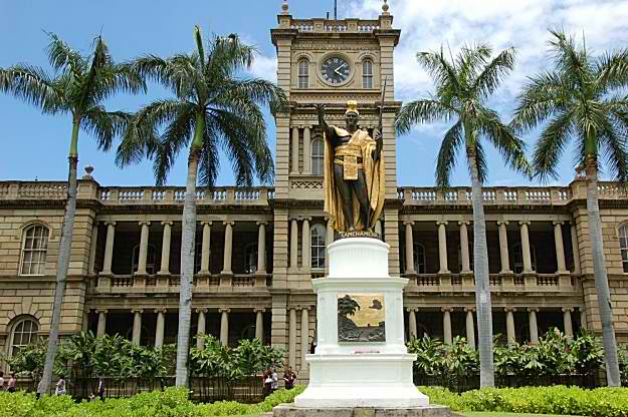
x=350, y=154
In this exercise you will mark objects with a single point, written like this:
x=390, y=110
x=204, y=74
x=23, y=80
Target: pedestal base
x=361, y=380
x=290, y=410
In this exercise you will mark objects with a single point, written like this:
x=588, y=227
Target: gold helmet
x=352, y=107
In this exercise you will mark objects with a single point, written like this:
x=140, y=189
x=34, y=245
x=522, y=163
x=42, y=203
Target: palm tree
x=213, y=109
x=463, y=84
x=79, y=86
x=583, y=99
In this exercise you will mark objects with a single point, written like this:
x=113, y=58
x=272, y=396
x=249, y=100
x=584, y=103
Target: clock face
x=335, y=70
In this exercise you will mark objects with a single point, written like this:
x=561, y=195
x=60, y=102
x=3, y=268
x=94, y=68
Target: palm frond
x=446, y=160
x=442, y=71
x=614, y=142
x=542, y=96
x=612, y=70
x=422, y=111
x=490, y=77
x=32, y=85
x=62, y=56
x=469, y=60
x=551, y=145
x=480, y=160
x=104, y=125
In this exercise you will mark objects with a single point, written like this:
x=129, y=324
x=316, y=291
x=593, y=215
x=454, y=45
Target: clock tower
x=331, y=62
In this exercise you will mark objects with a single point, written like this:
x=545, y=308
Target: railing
x=490, y=195
x=149, y=195
x=323, y=25
x=457, y=282
x=122, y=281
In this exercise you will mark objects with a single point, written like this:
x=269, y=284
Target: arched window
x=367, y=73
x=151, y=259
x=250, y=258
x=517, y=256
x=623, y=244
x=304, y=73
x=318, y=156
x=24, y=332
x=34, y=248
x=317, y=245
x=419, y=258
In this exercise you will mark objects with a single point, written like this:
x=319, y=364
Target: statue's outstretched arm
x=329, y=132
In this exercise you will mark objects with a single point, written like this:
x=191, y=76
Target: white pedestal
x=360, y=374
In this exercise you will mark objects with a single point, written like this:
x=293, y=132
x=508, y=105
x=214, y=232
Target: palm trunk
x=188, y=239
x=482, y=283
x=601, y=278
x=63, y=263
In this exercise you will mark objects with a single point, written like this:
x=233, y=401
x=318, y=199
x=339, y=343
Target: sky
x=34, y=146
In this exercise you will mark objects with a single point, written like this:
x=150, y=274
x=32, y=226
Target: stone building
x=258, y=249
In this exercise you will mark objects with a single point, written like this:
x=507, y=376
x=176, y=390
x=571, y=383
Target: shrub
x=600, y=402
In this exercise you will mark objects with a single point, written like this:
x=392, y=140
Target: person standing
x=268, y=382
x=275, y=381
x=12, y=385
x=101, y=389
x=60, y=387
x=289, y=377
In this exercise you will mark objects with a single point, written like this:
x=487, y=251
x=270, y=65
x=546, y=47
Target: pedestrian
x=101, y=389
x=289, y=377
x=267, y=379
x=1, y=381
x=60, y=387
x=275, y=381
x=12, y=385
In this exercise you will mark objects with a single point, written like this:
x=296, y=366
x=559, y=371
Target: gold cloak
x=373, y=173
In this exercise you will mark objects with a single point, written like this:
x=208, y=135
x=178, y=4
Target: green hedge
x=600, y=402
x=172, y=402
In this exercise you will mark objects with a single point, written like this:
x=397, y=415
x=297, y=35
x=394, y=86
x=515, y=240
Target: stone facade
x=258, y=249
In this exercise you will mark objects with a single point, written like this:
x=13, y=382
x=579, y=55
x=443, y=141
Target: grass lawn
x=499, y=414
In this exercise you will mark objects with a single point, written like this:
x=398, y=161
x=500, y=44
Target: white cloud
x=265, y=67
x=523, y=24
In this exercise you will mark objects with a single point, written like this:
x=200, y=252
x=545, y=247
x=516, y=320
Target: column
x=101, y=328
x=567, y=323
x=574, y=248
x=412, y=329
x=93, y=247
x=259, y=324
x=160, y=327
x=137, y=326
x=292, y=338
x=294, y=244
x=200, y=331
x=305, y=335
x=470, y=327
x=503, y=247
x=261, y=248
x=141, y=262
x=409, y=249
x=111, y=233
x=442, y=247
x=164, y=268
x=224, y=326
x=226, y=265
x=447, y=333
x=306, y=253
x=534, y=328
x=294, y=169
x=464, y=247
x=525, y=247
x=307, y=158
x=510, y=326
x=206, y=248
x=560, y=247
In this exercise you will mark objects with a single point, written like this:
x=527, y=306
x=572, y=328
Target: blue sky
x=35, y=146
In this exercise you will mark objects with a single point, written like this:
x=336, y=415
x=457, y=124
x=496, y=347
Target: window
x=517, y=264
x=367, y=73
x=250, y=258
x=318, y=156
x=623, y=244
x=24, y=333
x=317, y=243
x=34, y=248
x=151, y=259
x=304, y=73
x=419, y=258
x=198, y=253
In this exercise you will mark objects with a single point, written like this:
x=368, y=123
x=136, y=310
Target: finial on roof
x=284, y=7
x=385, y=7
x=88, y=172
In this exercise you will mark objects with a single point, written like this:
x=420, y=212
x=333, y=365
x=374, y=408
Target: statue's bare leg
x=345, y=194
x=359, y=187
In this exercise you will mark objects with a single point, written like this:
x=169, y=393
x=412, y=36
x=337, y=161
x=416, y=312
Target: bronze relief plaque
x=361, y=318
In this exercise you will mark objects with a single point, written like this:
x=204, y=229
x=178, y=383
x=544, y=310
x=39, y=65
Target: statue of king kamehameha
x=353, y=173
